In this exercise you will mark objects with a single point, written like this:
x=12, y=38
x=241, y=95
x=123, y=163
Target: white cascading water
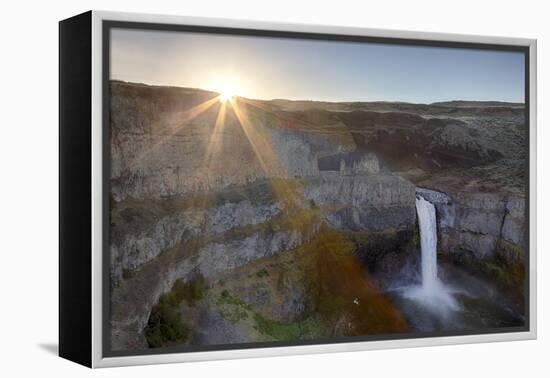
x=431, y=292
x=428, y=243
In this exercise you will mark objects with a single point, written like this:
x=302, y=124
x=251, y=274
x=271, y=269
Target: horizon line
x=327, y=101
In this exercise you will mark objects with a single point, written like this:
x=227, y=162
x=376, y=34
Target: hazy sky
x=267, y=68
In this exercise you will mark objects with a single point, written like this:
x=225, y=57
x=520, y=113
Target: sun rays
x=216, y=137
x=258, y=143
x=212, y=133
x=239, y=112
x=259, y=139
x=176, y=122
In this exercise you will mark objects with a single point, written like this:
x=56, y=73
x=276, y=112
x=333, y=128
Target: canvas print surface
x=280, y=190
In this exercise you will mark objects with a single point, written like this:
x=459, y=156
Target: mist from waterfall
x=435, y=297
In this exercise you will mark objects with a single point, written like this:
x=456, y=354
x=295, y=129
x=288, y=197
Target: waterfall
x=432, y=293
x=428, y=243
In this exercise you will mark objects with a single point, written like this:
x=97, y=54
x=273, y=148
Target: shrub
x=165, y=326
x=262, y=273
x=313, y=204
x=191, y=291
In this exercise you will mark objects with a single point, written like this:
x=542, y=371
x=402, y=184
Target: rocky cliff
x=480, y=225
x=266, y=201
x=174, y=141
x=240, y=227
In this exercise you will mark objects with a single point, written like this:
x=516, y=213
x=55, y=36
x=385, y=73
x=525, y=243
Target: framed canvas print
x=234, y=189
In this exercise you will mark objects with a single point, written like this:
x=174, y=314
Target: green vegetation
x=262, y=273
x=227, y=298
x=313, y=204
x=165, y=325
x=510, y=278
x=232, y=308
x=311, y=327
x=416, y=236
x=128, y=273
x=190, y=291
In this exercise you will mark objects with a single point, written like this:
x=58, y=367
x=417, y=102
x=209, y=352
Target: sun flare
x=224, y=96
x=227, y=88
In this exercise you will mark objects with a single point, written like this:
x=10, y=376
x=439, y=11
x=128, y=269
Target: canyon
x=253, y=220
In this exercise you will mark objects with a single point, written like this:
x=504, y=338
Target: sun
x=227, y=88
x=224, y=96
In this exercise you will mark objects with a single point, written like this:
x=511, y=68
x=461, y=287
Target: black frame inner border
x=108, y=25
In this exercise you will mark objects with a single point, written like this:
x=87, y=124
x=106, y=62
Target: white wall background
x=28, y=189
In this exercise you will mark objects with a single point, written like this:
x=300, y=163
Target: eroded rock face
x=133, y=249
x=230, y=254
x=476, y=224
x=296, y=152
x=133, y=299
x=364, y=202
x=142, y=237
x=165, y=142
x=238, y=235
x=513, y=228
x=173, y=141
